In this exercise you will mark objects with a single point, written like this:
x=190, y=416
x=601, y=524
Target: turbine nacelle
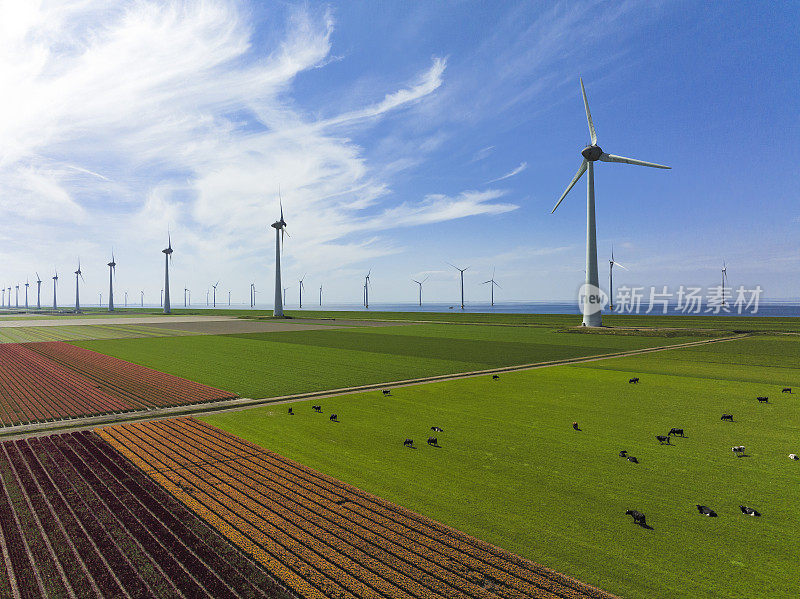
x=592, y=153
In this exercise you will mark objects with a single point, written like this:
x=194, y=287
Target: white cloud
x=522, y=166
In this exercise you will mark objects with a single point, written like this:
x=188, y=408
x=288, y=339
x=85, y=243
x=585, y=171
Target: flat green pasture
x=280, y=363
x=84, y=331
x=512, y=471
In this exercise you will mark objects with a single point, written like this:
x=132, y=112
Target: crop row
x=321, y=536
x=141, y=386
x=79, y=520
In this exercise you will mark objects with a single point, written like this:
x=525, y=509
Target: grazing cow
x=763, y=399
x=786, y=390
x=632, y=459
x=575, y=426
x=334, y=418
x=748, y=511
x=794, y=456
x=433, y=441
x=623, y=454
x=291, y=412
x=663, y=439
x=495, y=377
x=386, y=392
x=738, y=450
x=634, y=380
x=727, y=417
x=706, y=511
x=436, y=429
x=678, y=432
x=638, y=517
x=408, y=443
x=317, y=408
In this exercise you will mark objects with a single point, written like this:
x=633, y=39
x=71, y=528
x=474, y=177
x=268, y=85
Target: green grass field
x=280, y=363
x=83, y=331
x=512, y=471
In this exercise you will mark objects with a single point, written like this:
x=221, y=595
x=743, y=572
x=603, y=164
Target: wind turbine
x=284, y=295
x=280, y=230
x=101, y=300
x=420, y=288
x=167, y=259
x=38, y=292
x=611, y=264
x=492, y=285
x=724, y=279
x=301, y=290
x=320, y=296
x=185, y=291
x=78, y=273
x=27, y=284
x=4, y=297
x=592, y=153
x=461, y=270
x=126, y=299
x=16, y=296
x=215, y=294
x=112, y=269
x=142, y=297
x=366, y=289
x=207, y=292
x=55, y=286
x=229, y=297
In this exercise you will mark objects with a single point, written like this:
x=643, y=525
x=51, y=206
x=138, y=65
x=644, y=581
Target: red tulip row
x=143, y=387
x=34, y=388
x=78, y=519
x=301, y=518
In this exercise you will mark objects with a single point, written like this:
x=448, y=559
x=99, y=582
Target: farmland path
x=90, y=422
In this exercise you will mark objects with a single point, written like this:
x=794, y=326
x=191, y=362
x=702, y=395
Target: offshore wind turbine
x=611, y=264
x=280, y=230
x=592, y=153
x=38, y=292
x=492, y=285
x=461, y=270
x=27, y=284
x=55, y=286
x=167, y=259
x=78, y=273
x=112, y=269
x=215, y=294
x=301, y=290
x=420, y=288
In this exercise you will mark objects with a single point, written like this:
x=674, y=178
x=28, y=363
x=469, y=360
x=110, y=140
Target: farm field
x=271, y=364
x=322, y=537
x=50, y=381
x=511, y=471
x=29, y=334
x=79, y=520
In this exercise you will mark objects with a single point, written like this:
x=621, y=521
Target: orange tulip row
x=339, y=539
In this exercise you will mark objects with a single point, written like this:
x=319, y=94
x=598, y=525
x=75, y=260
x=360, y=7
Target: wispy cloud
x=522, y=166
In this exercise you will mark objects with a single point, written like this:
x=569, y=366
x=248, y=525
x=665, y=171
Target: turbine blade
x=484, y=283
x=496, y=283
x=620, y=265
x=612, y=158
x=578, y=175
x=588, y=114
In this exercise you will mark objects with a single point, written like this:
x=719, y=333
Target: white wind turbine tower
x=112, y=270
x=301, y=290
x=141, y=297
x=126, y=298
x=27, y=284
x=280, y=230
x=724, y=280
x=38, y=292
x=55, y=287
x=320, y=296
x=229, y=297
x=611, y=264
x=214, y=304
x=592, y=153
x=185, y=291
x=461, y=270
x=285, y=289
x=78, y=274
x=4, y=297
x=492, y=285
x=366, y=289
x=16, y=296
x=167, y=259
x=420, y=288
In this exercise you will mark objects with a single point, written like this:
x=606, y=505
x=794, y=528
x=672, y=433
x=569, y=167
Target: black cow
x=678, y=432
x=727, y=417
x=334, y=418
x=317, y=408
x=386, y=392
x=748, y=511
x=632, y=459
x=763, y=399
x=663, y=439
x=623, y=454
x=575, y=426
x=706, y=511
x=436, y=429
x=786, y=390
x=291, y=412
x=638, y=517
x=495, y=377
x=408, y=443
x=634, y=380
x=433, y=441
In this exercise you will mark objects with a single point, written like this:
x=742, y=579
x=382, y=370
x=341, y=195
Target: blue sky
x=403, y=136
